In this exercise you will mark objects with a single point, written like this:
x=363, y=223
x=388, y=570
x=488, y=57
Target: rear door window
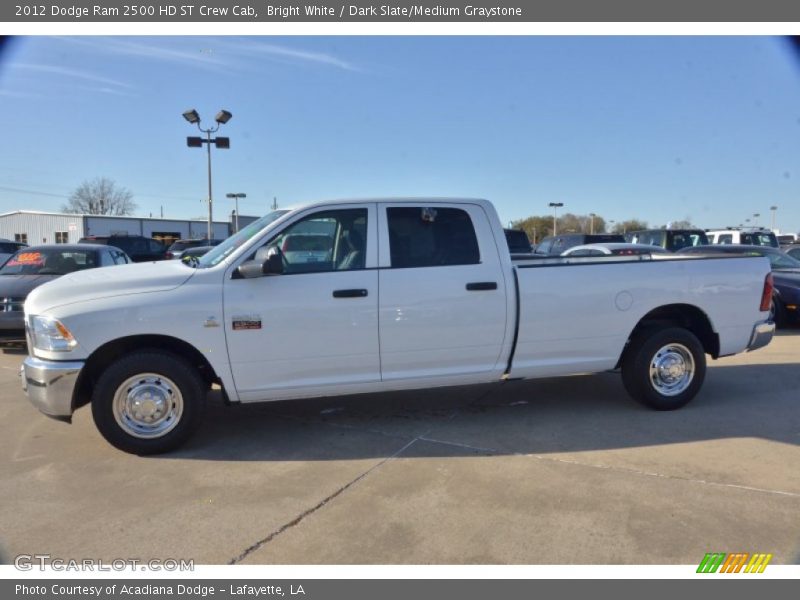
x=431, y=237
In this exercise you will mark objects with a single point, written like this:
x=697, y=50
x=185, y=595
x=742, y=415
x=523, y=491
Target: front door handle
x=480, y=286
x=349, y=293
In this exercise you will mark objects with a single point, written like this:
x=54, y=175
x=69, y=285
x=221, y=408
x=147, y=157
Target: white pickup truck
x=383, y=295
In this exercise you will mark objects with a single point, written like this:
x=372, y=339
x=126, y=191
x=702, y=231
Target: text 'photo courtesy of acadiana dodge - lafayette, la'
x=154, y=589
x=439, y=300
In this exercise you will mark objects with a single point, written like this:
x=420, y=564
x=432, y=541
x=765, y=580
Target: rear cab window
x=431, y=236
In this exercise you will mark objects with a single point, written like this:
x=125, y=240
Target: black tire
x=778, y=313
x=168, y=378
x=669, y=346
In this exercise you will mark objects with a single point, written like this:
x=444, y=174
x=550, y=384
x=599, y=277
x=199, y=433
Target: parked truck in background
x=411, y=294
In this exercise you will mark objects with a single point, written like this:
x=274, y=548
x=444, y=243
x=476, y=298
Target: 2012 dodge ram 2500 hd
x=372, y=296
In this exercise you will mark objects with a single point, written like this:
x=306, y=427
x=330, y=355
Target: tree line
x=541, y=226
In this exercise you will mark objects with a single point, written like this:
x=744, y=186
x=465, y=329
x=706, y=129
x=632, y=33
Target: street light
x=555, y=206
x=591, y=226
x=221, y=143
x=236, y=197
x=756, y=215
x=773, y=209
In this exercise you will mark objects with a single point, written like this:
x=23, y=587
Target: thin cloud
x=161, y=53
x=300, y=55
x=22, y=95
x=218, y=54
x=73, y=74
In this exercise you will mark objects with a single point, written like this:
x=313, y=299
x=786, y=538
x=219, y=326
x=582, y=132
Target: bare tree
x=629, y=225
x=100, y=196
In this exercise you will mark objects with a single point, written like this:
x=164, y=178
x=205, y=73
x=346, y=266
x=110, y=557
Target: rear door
x=442, y=300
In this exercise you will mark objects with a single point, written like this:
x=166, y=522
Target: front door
x=315, y=327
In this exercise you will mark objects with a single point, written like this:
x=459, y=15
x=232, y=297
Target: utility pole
x=555, y=206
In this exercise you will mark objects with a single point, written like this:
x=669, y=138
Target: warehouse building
x=33, y=227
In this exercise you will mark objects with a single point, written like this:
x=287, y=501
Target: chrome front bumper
x=49, y=385
x=762, y=335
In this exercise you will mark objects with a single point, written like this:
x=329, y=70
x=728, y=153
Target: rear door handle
x=480, y=286
x=349, y=293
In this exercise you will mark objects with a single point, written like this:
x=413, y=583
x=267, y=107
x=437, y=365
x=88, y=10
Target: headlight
x=50, y=334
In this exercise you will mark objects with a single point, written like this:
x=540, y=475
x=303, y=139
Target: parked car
x=785, y=272
x=671, y=240
x=787, y=239
x=518, y=242
x=431, y=297
x=8, y=248
x=793, y=251
x=307, y=247
x=33, y=266
x=613, y=249
x=753, y=236
x=176, y=250
x=195, y=252
x=555, y=245
x=137, y=247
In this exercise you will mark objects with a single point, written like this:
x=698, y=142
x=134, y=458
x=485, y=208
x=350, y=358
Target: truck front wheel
x=148, y=402
x=664, y=368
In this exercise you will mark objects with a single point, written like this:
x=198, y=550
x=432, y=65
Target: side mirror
x=268, y=261
x=272, y=260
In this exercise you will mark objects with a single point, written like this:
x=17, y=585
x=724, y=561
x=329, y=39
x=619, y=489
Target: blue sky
x=657, y=128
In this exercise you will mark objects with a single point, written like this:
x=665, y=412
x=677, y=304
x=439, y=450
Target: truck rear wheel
x=664, y=368
x=148, y=402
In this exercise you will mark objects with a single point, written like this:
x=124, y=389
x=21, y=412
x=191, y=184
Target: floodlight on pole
x=236, y=197
x=222, y=143
x=756, y=215
x=591, y=225
x=555, y=206
x=773, y=209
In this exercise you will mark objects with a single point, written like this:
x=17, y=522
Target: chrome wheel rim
x=148, y=405
x=672, y=369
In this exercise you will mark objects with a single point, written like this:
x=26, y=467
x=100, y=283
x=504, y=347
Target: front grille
x=11, y=304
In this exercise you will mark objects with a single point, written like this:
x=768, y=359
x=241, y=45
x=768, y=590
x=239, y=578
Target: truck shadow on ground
x=565, y=414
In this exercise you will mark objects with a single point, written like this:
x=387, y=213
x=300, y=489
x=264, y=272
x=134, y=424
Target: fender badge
x=246, y=322
x=210, y=322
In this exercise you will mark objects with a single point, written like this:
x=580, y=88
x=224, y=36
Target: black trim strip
x=516, y=323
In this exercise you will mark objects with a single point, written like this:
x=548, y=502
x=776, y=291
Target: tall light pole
x=591, y=226
x=236, y=197
x=756, y=215
x=555, y=206
x=221, y=143
x=773, y=209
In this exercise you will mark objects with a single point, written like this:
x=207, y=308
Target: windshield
x=219, y=253
x=779, y=261
x=49, y=262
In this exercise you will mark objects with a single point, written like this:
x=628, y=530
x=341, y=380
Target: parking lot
x=551, y=471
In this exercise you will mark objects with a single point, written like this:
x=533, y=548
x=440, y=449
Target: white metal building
x=33, y=227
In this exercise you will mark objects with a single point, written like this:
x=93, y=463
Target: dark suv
x=554, y=245
x=518, y=242
x=138, y=247
x=669, y=239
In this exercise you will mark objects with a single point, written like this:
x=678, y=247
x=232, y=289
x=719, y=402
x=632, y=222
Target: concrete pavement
x=553, y=471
